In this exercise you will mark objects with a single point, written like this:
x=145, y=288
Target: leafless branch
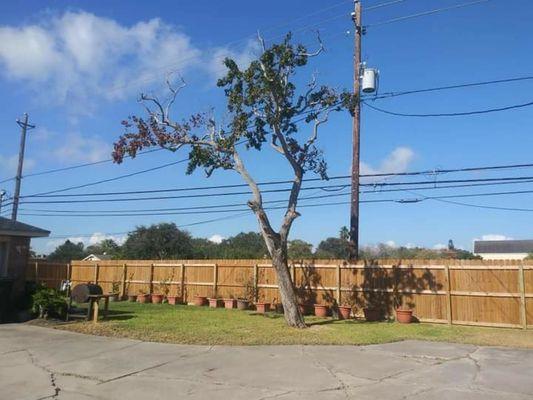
x=321, y=47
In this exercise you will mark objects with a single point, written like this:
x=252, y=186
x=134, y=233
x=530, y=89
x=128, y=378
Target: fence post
x=37, y=272
x=338, y=284
x=256, y=277
x=182, y=283
x=215, y=280
x=151, y=287
x=124, y=274
x=522, y=287
x=96, y=272
x=69, y=271
x=448, y=295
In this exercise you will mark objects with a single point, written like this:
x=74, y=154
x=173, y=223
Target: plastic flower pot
x=262, y=308
x=372, y=314
x=229, y=303
x=114, y=297
x=143, y=298
x=278, y=307
x=173, y=300
x=213, y=303
x=321, y=310
x=344, y=312
x=157, y=298
x=242, y=304
x=200, y=300
x=404, y=316
x=132, y=297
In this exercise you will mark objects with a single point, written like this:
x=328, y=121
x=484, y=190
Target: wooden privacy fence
x=468, y=292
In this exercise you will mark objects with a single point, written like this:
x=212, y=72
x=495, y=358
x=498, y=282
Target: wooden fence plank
x=449, y=316
x=522, y=288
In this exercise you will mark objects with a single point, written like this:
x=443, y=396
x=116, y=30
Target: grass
x=202, y=325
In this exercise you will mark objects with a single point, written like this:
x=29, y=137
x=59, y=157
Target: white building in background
x=503, y=249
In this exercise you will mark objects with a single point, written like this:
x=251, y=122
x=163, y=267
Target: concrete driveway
x=42, y=363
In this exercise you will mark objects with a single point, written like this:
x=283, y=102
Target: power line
x=455, y=114
x=380, y=191
x=71, y=167
x=401, y=201
x=449, y=87
x=433, y=172
x=425, y=13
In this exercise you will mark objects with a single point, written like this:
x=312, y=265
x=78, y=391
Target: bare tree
x=263, y=105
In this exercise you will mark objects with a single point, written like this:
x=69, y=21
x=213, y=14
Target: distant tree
x=206, y=249
x=107, y=246
x=263, y=106
x=244, y=245
x=160, y=241
x=344, y=233
x=67, y=252
x=298, y=249
x=335, y=247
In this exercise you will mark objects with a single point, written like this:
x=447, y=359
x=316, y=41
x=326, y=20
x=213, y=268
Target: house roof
x=15, y=228
x=503, y=246
x=97, y=257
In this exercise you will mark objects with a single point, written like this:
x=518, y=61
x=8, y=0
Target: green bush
x=48, y=302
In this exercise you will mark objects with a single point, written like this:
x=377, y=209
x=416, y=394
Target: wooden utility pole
x=24, y=125
x=354, y=210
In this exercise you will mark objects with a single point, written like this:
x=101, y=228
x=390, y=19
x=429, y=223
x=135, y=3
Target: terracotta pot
x=303, y=308
x=213, y=303
x=157, y=298
x=344, y=312
x=242, y=304
x=229, y=303
x=143, y=298
x=321, y=310
x=173, y=300
x=200, y=300
x=372, y=314
x=404, y=316
x=132, y=297
x=262, y=307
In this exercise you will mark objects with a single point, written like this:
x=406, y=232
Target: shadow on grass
x=112, y=315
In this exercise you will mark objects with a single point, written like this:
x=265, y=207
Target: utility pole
x=24, y=128
x=354, y=210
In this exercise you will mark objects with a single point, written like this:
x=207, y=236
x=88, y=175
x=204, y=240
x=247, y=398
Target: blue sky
x=77, y=66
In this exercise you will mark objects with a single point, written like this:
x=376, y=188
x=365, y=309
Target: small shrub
x=48, y=302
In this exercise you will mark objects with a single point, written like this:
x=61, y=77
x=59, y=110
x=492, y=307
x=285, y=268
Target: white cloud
x=95, y=238
x=78, y=56
x=391, y=243
x=494, y=236
x=78, y=148
x=243, y=58
x=440, y=246
x=8, y=165
x=216, y=238
x=397, y=161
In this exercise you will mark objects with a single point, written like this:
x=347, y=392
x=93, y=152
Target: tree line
x=167, y=241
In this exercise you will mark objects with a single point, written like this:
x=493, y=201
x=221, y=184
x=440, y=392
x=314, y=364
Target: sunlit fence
x=468, y=292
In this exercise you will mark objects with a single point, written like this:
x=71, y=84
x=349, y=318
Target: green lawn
x=202, y=325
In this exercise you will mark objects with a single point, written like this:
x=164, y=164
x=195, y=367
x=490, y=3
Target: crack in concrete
x=342, y=385
x=51, y=374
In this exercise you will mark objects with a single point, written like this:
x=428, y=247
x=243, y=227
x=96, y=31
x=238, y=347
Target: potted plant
x=200, y=300
x=345, y=311
x=229, y=303
x=262, y=308
x=321, y=310
x=143, y=297
x=213, y=302
x=115, y=291
x=174, y=299
x=404, y=315
x=373, y=310
x=157, y=298
x=242, y=304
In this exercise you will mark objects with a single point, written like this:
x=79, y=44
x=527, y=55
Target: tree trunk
x=293, y=317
